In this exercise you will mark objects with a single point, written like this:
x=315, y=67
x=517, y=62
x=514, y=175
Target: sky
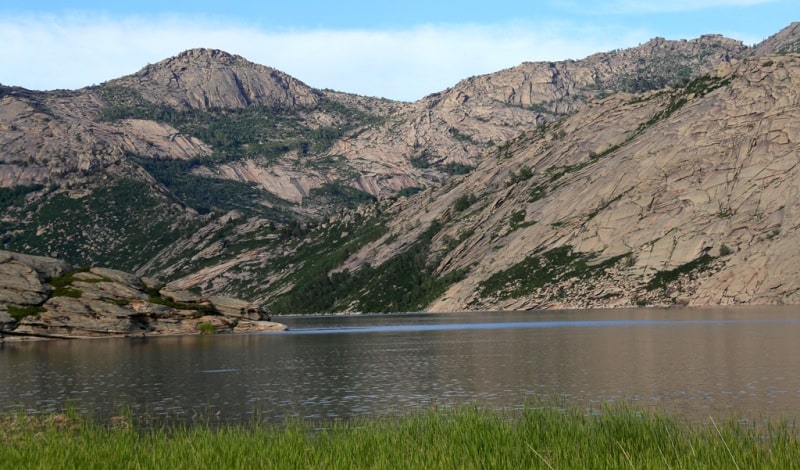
x=396, y=50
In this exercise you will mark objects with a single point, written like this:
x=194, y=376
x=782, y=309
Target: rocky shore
x=45, y=298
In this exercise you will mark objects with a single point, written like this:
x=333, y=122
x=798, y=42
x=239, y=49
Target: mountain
x=658, y=174
x=209, y=79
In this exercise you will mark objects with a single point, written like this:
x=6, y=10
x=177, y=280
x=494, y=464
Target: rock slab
x=106, y=302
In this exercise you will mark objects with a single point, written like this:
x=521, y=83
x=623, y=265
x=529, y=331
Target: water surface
x=697, y=362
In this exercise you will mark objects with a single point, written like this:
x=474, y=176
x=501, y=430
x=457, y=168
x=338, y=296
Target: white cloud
x=72, y=52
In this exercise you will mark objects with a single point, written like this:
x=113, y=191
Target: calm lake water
x=696, y=362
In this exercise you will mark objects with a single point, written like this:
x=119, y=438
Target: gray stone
x=109, y=290
x=21, y=284
x=5, y=318
x=151, y=283
x=250, y=326
x=183, y=296
x=118, y=276
x=49, y=267
x=237, y=308
x=15, y=275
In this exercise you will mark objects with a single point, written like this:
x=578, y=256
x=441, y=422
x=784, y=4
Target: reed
x=547, y=437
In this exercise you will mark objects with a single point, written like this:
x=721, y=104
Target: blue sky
x=397, y=50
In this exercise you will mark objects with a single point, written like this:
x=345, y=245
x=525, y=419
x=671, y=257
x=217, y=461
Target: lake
x=696, y=362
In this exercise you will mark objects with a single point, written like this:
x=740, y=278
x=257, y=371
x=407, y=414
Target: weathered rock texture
x=695, y=186
x=41, y=298
x=621, y=178
x=209, y=78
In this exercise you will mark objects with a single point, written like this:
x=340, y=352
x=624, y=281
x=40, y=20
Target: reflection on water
x=696, y=362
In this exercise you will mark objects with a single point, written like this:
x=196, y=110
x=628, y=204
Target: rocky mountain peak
x=211, y=78
x=558, y=88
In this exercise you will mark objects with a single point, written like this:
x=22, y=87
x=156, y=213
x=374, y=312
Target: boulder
x=78, y=317
x=109, y=290
x=237, y=308
x=49, y=268
x=151, y=283
x=21, y=284
x=118, y=276
x=249, y=326
x=108, y=302
x=5, y=319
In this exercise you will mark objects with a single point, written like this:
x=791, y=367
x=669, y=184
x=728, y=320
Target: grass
x=18, y=313
x=544, y=437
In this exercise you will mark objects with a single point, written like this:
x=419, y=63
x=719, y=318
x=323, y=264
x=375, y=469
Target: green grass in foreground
x=545, y=437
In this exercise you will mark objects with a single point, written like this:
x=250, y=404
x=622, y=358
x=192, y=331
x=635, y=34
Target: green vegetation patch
x=453, y=168
x=121, y=223
x=208, y=194
x=555, y=172
x=463, y=202
x=266, y=131
x=15, y=196
x=663, y=278
x=542, y=269
x=536, y=437
x=515, y=177
x=67, y=291
x=18, y=313
x=789, y=48
x=310, y=287
x=405, y=282
x=517, y=220
x=206, y=328
x=339, y=194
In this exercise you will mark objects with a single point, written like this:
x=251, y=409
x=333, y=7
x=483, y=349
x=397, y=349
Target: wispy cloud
x=43, y=52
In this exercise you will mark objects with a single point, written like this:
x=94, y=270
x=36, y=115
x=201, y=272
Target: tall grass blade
x=540, y=456
x=724, y=443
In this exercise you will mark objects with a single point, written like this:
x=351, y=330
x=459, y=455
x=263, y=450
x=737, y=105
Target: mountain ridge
x=243, y=181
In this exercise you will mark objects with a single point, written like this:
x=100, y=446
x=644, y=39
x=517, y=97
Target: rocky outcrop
x=210, y=78
x=42, y=298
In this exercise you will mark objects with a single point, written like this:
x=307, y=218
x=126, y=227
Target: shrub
x=463, y=202
x=206, y=328
x=18, y=313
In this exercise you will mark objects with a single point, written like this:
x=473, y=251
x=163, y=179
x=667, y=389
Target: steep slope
x=688, y=196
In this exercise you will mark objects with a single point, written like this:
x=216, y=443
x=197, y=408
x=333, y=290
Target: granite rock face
x=692, y=192
x=210, y=78
x=42, y=298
